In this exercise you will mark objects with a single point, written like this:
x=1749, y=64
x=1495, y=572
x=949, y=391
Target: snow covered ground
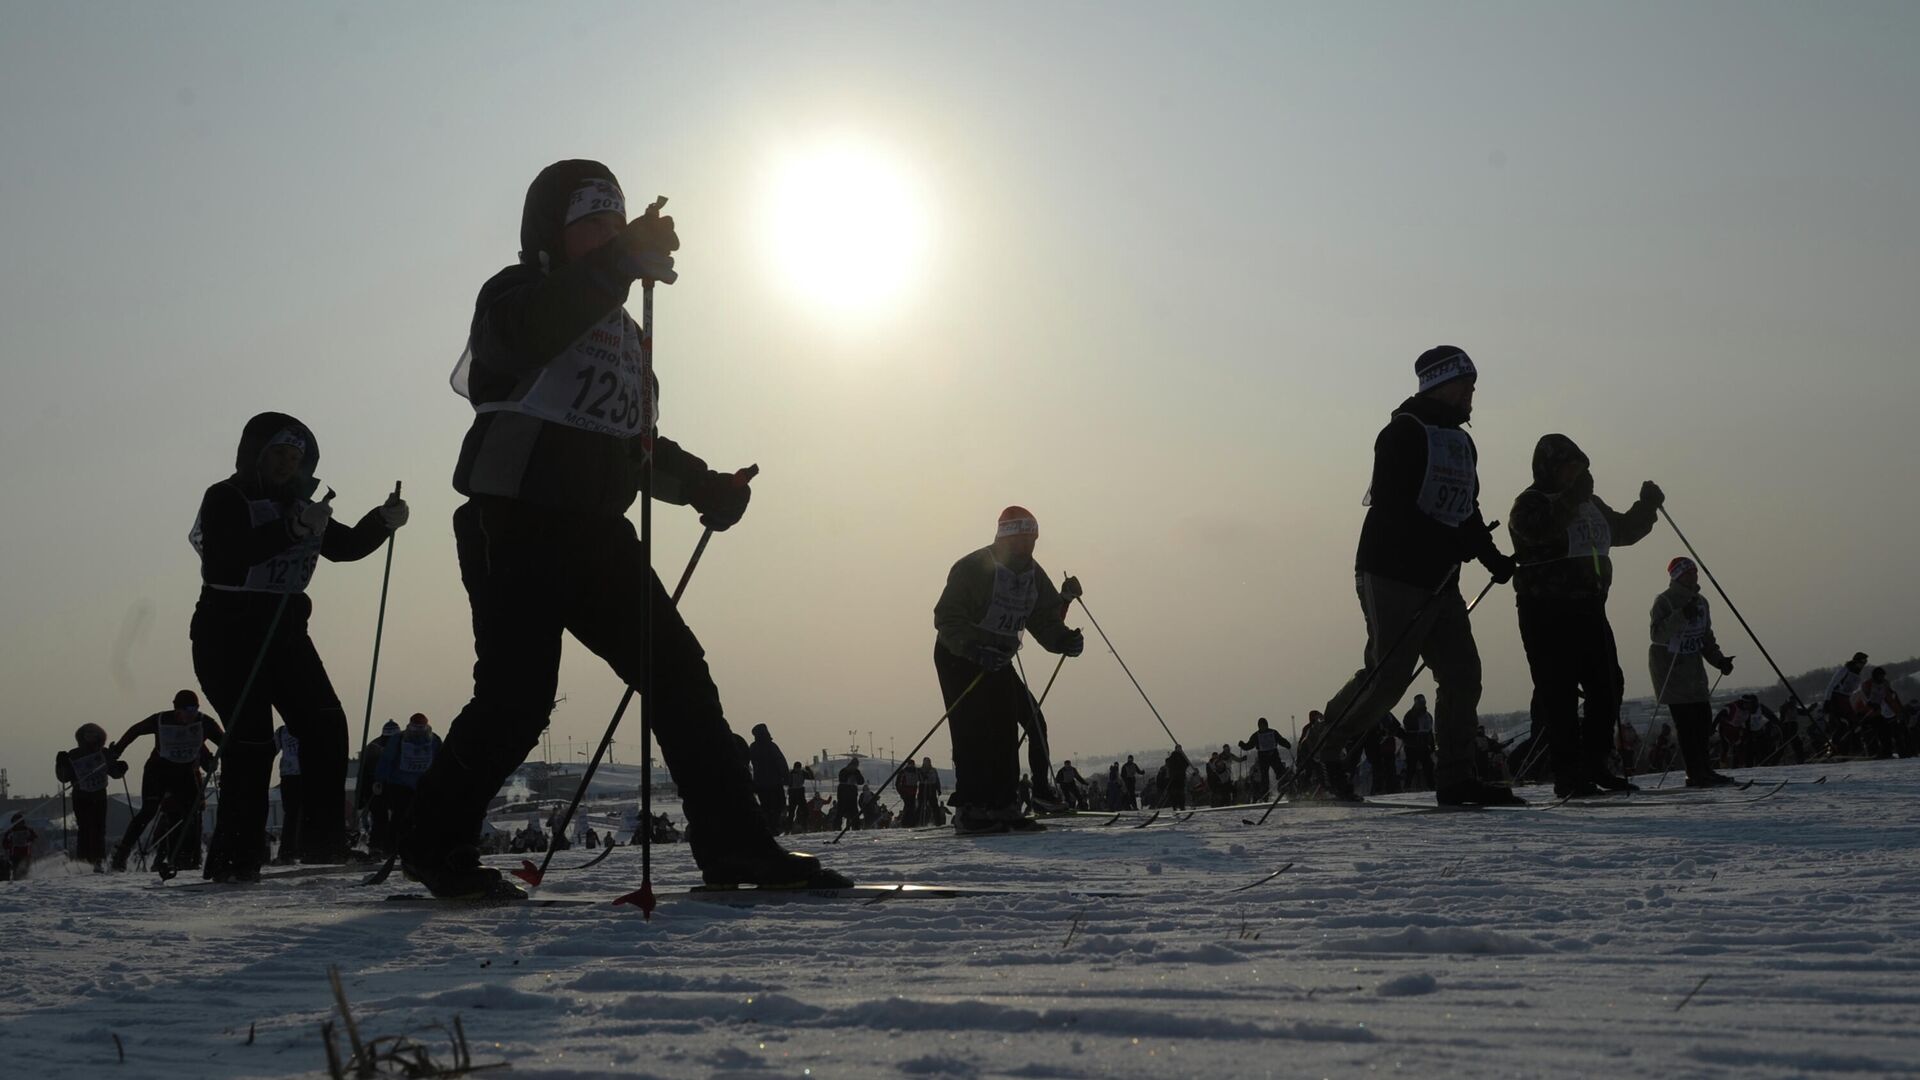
x=1558, y=943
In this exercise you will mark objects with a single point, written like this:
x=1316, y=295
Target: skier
x=908, y=784
x=408, y=757
x=1562, y=533
x=1176, y=774
x=260, y=536
x=369, y=795
x=1682, y=645
x=930, y=808
x=1224, y=791
x=991, y=597
x=1116, y=790
x=1878, y=710
x=290, y=803
x=1423, y=519
x=846, y=794
x=1070, y=786
x=797, y=778
x=1417, y=740
x=88, y=767
x=769, y=765
x=16, y=844
x=1381, y=746
x=1265, y=744
x=1130, y=774
x=564, y=425
x=170, y=780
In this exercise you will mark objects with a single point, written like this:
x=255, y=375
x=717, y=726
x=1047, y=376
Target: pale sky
x=1177, y=262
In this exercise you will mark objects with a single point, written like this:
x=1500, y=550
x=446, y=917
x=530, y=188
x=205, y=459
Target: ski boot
x=773, y=868
x=1603, y=778
x=1709, y=779
x=119, y=863
x=974, y=821
x=457, y=874
x=1021, y=823
x=1578, y=788
x=1337, y=783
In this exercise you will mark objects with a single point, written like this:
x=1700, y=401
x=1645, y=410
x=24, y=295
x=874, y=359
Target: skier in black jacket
x=1423, y=520
x=260, y=535
x=88, y=767
x=1265, y=744
x=170, y=779
x=1562, y=533
x=769, y=776
x=565, y=418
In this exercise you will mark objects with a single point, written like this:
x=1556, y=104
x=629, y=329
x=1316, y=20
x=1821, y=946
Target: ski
x=425, y=899
x=531, y=874
x=1262, y=881
x=1150, y=820
x=269, y=876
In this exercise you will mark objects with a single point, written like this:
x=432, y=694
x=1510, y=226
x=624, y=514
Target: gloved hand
x=648, y=244
x=1651, y=494
x=1499, y=565
x=312, y=519
x=116, y=768
x=1070, y=591
x=393, y=513
x=1076, y=641
x=721, y=498
x=1726, y=666
x=989, y=657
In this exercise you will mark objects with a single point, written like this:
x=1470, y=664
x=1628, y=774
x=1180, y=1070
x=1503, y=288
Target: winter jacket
x=1423, y=505
x=407, y=757
x=1561, y=539
x=563, y=322
x=770, y=766
x=174, y=743
x=986, y=603
x=1265, y=740
x=1681, y=647
x=244, y=534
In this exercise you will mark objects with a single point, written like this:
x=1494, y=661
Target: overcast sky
x=1178, y=260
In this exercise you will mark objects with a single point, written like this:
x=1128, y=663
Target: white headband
x=1016, y=527
x=595, y=197
x=1453, y=367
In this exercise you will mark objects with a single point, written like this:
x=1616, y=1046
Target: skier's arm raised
x=1048, y=621
x=228, y=539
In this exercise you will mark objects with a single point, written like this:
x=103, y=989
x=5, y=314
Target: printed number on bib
x=1447, y=492
x=89, y=771
x=416, y=755
x=598, y=384
x=1589, y=534
x=1014, y=596
x=179, y=743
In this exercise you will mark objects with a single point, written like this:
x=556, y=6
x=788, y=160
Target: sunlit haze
x=1157, y=272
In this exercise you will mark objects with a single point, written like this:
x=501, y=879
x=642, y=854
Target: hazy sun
x=847, y=229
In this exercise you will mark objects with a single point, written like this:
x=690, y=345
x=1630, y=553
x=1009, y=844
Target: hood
x=761, y=734
x=1551, y=452
x=543, y=217
x=1431, y=411
x=260, y=431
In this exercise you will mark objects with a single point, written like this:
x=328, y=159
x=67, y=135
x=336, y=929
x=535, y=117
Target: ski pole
x=848, y=824
x=1366, y=683
x=66, y=842
x=1476, y=603
x=379, y=627
x=1044, y=691
x=1123, y=667
x=1702, y=563
x=532, y=874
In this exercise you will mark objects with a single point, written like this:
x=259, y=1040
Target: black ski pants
x=533, y=574
x=1570, y=652
x=1693, y=723
x=164, y=786
x=984, y=724
x=293, y=682
x=90, y=821
x=773, y=806
x=1419, y=760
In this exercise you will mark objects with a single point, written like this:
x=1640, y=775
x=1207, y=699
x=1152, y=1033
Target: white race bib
x=89, y=770
x=288, y=572
x=1692, y=637
x=1589, y=535
x=178, y=743
x=416, y=756
x=289, y=752
x=1447, y=493
x=598, y=384
x=1014, y=596
x=1266, y=741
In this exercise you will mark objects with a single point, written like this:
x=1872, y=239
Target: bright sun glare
x=848, y=230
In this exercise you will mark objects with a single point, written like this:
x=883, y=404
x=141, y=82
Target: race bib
x=1589, y=535
x=1267, y=741
x=1447, y=493
x=89, y=770
x=416, y=755
x=1419, y=723
x=1014, y=596
x=598, y=384
x=1693, y=637
x=178, y=743
x=288, y=572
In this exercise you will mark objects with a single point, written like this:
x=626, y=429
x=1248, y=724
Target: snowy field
x=1556, y=943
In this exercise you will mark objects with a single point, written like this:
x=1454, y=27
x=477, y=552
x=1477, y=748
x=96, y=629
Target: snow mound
x=1412, y=985
x=1474, y=941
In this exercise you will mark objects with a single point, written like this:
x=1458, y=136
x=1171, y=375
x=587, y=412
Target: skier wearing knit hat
x=170, y=780
x=1562, y=533
x=564, y=433
x=1423, y=520
x=992, y=596
x=1682, y=646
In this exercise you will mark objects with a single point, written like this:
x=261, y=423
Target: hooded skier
x=565, y=414
x=88, y=767
x=408, y=755
x=992, y=596
x=769, y=765
x=1682, y=646
x=1423, y=520
x=260, y=536
x=170, y=780
x=1562, y=533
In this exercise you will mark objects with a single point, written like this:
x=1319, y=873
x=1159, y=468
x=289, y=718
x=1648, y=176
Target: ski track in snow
x=1498, y=944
